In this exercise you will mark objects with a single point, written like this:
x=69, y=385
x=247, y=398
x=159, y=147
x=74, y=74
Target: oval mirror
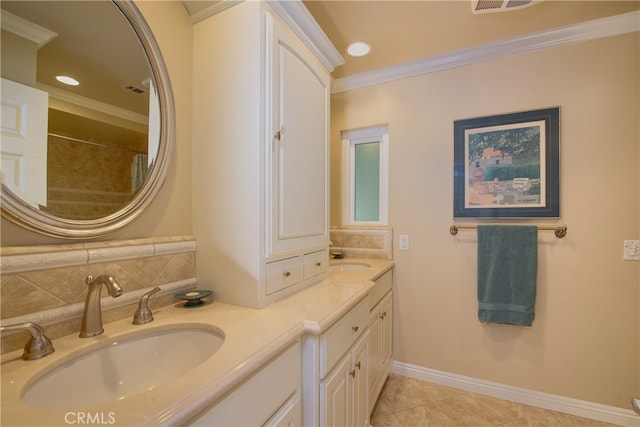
x=81, y=160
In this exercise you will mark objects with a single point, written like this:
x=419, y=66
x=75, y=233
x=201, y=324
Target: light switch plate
x=631, y=250
x=403, y=242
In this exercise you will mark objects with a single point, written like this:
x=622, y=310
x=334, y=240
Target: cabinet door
x=335, y=395
x=375, y=348
x=272, y=386
x=380, y=347
x=386, y=330
x=290, y=415
x=299, y=148
x=360, y=387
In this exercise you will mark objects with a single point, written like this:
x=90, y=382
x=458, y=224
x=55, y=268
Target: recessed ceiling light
x=358, y=49
x=67, y=80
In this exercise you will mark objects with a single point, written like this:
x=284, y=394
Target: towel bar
x=559, y=231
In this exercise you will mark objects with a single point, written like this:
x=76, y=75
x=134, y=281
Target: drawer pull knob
x=353, y=373
x=286, y=274
x=318, y=264
x=358, y=365
x=355, y=328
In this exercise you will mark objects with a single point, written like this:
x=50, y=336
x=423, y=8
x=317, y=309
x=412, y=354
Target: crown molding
x=300, y=20
x=590, y=30
x=92, y=104
x=26, y=29
x=212, y=8
x=297, y=17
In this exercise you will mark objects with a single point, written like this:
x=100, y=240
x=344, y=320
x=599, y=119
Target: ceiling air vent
x=134, y=89
x=488, y=6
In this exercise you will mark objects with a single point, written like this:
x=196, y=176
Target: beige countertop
x=252, y=337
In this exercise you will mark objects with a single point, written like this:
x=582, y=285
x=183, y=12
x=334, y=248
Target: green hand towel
x=507, y=268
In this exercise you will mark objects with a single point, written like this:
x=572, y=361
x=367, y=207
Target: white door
x=23, y=143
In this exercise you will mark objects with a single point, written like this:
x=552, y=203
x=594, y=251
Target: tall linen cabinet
x=261, y=140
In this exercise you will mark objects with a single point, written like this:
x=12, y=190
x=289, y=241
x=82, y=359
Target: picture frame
x=507, y=166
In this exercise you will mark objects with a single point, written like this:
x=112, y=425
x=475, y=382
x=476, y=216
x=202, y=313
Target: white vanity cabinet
x=343, y=393
x=260, y=151
x=380, y=336
x=270, y=397
x=335, y=367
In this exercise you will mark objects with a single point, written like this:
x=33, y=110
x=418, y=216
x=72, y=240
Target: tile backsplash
x=363, y=241
x=46, y=284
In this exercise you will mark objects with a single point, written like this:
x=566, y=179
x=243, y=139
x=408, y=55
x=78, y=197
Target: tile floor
x=407, y=402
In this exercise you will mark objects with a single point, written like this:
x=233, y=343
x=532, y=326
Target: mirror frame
x=23, y=214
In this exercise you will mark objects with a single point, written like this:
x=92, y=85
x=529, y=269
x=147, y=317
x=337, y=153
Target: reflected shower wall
x=91, y=173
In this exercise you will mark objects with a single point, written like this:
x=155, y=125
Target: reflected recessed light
x=67, y=80
x=358, y=49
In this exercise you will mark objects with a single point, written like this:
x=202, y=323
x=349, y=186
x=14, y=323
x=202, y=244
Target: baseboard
x=581, y=408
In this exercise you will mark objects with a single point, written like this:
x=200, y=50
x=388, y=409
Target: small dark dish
x=194, y=297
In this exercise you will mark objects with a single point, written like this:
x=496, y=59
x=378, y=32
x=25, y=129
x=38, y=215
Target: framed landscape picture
x=507, y=165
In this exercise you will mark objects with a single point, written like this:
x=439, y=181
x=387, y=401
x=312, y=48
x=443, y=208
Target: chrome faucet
x=143, y=313
x=92, y=316
x=38, y=345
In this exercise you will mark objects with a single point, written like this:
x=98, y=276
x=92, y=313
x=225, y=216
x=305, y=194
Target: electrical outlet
x=631, y=250
x=403, y=242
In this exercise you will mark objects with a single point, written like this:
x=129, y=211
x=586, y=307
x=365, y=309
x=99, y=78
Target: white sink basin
x=348, y=266
x=122, y=367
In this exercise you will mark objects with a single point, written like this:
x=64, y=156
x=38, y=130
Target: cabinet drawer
x=382, y=286
x=341, y=336
x=266, y=392
x=284, y=273
x=315, y=263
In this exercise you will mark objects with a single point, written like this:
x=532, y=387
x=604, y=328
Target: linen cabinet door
x=299, y=149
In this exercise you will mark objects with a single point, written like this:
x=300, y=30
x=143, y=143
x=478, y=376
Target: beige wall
x=170, y=212
x=584, y=342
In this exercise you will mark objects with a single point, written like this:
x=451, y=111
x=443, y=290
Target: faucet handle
x=143, y=313
x=38, y=345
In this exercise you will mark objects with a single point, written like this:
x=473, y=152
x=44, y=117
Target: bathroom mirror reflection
x=83, y=159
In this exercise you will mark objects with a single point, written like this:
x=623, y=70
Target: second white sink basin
x=348, y=266
x=123, y=367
